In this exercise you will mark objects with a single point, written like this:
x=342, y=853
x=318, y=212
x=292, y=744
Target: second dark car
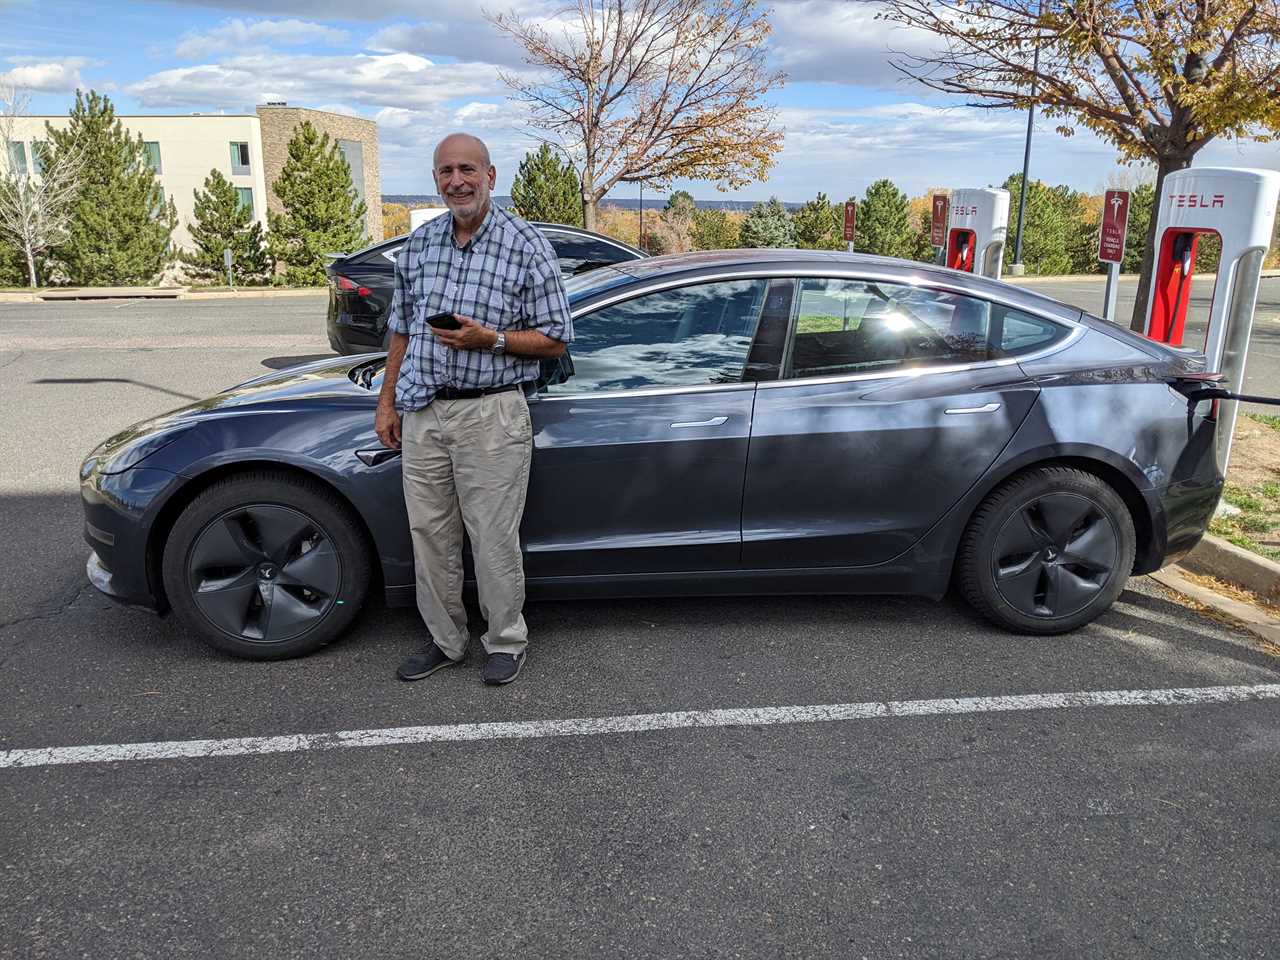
x=360, y=283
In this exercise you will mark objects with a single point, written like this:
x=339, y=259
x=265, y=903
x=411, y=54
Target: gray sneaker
x=424, y=664
x=502, y=668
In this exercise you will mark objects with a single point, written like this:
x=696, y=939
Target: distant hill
x=426, y=200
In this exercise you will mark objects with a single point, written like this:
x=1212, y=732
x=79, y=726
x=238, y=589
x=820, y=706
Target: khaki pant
x=466, y=462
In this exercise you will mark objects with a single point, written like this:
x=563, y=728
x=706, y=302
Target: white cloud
x=835, y=41
x=364, y=80
x=50, y=76
x=336, y=9
x=240, y=35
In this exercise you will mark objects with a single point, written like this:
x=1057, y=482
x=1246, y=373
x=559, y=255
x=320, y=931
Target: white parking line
x=634, y=723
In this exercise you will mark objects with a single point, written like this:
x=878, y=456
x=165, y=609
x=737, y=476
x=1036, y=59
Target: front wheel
x=1047, y=552
x=266, y=566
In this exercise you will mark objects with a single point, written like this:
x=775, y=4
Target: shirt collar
x=480, y=230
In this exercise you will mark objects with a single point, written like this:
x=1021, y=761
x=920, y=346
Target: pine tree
x=820, y=225
x=13, y=271
x=1045, y=228
x=322, y=213
x=121, y=223
x=223, y=222
x=713, y=230
x=768, y=225
x=1142, y=201
x=546, y=189
x=884, y=222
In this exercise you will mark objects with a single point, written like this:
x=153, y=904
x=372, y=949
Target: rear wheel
x=266, y=566
x=1047, y=552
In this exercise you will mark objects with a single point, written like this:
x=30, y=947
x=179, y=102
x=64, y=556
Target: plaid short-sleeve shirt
x=505, y=278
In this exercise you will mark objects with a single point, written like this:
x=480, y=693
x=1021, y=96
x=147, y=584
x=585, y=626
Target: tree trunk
x=31, y=268
x=589, y=213
x=1168, y=165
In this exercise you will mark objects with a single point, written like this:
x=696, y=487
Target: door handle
x=985, y=408
x=713, y=422
x=371, y=458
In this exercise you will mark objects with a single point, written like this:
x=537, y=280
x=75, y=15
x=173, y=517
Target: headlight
x=133, y=452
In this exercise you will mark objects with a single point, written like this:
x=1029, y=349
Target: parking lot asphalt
x=1141, y=830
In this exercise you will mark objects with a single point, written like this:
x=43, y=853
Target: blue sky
x=422, y=68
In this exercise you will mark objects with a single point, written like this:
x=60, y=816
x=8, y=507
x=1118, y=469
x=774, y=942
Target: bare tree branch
x=651, y=90
x=35, y=205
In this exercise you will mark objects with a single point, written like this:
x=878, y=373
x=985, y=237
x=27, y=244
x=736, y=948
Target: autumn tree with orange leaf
x=1159, y=79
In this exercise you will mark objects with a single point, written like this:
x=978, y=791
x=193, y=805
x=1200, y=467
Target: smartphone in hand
x=444, y=321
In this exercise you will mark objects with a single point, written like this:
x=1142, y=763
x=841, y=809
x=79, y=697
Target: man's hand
x=387, y=424
x=469, y=336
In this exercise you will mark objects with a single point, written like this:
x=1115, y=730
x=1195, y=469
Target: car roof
x=836, y=264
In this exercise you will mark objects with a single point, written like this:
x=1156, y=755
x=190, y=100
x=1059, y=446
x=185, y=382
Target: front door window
x=689, y=336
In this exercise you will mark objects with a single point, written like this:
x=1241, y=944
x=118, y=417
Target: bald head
x=464, y=177
x=463, y=144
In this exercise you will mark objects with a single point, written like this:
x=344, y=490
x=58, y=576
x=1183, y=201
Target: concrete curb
x=267, y=292
x=1254, y=620
x=110, y=293
x=1215, y=557
x=69, y=294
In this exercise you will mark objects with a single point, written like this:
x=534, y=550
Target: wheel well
x=1124, y=487
x=170, y=512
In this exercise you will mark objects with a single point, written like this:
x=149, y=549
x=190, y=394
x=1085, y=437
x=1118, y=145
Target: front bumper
x=119, y=510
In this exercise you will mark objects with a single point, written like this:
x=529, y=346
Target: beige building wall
x=189, y=146
x=278, y=123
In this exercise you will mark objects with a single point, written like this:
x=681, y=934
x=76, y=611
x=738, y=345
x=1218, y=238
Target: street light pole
x=641, y=243
x=1017, y=268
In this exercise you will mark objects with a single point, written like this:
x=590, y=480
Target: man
x=454, y=402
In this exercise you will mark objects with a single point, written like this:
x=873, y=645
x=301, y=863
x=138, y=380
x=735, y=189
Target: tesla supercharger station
x=1239, y=206
x=976, y=233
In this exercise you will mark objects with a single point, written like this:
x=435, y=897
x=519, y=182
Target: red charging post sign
x=938, y=221
x=1115, y=224
x=850, y=219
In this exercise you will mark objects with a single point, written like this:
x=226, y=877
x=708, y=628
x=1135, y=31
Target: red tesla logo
x=1197, y=200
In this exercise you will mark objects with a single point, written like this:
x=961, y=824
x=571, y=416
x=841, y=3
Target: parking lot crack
x=61, y=608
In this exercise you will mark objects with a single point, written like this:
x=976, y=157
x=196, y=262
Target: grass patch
x=1258, y=519
x=1265, y=418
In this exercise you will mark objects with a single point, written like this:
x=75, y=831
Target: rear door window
x=864, y=326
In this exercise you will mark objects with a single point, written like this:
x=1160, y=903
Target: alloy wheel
x=1054, y=556
x=264, y=572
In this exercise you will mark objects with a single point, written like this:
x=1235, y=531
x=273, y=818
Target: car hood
x=328, y=380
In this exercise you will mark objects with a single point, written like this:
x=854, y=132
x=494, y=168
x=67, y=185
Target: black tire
x=267, y=566
x=1047, y=552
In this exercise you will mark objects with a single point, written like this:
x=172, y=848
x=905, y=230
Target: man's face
x=462, y=177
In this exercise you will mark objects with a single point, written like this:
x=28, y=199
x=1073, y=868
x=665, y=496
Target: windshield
x=587, y=284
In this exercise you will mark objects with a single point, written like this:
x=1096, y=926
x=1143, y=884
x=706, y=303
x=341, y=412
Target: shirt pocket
x=422, y=293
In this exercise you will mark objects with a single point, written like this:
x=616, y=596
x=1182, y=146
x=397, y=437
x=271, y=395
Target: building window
x=17, y=158
x=39, y=156
x=153, y=155
x=246, y=198
x=353, y=153
x=240, y=159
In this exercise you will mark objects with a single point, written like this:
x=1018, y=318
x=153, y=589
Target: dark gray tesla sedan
x=732, y=422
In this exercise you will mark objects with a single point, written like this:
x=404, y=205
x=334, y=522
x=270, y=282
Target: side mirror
x=555, y=371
